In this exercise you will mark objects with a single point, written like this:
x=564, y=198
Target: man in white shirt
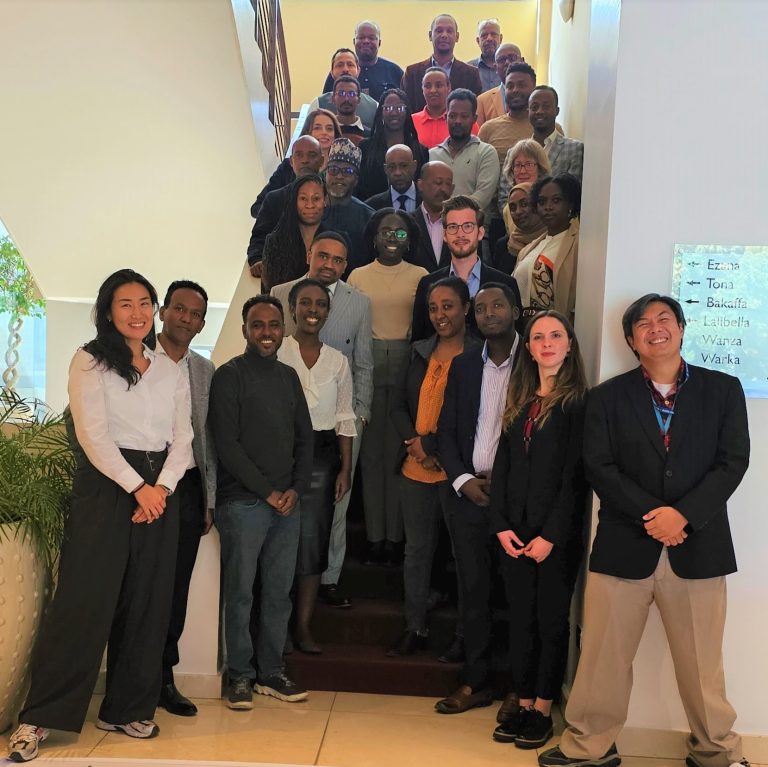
x=467, y=436
x=435, y=186
x=183, y=317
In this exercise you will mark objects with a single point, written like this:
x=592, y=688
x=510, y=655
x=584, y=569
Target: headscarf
x=518, y=239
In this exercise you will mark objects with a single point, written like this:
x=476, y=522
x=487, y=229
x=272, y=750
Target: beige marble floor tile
x=405, y=705
x=70, y=744
x=291, y=733
x=384, y=740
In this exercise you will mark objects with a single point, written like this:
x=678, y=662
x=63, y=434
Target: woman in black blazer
x=423, y=484
x=537, y=506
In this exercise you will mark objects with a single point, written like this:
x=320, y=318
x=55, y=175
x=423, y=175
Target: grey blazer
x=200, y=375
x=347, y=329
x=566, y=155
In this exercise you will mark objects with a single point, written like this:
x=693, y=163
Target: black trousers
x=115, y=585
x=317, y=505
x=471, y=542
x=539, y=598
x=191, y=524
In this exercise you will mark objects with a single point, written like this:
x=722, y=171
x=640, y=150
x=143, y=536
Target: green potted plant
x=19, y=298
x=36, y=469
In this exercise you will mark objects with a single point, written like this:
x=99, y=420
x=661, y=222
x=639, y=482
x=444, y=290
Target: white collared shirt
x=154, y=414
x=183, y=363
x=549, y=140
x=493, y=400
x=410, y=193
x=436, y=233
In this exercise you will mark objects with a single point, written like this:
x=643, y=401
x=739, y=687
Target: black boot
x=174, y=702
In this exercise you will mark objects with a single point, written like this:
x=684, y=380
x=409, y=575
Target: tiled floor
x=331, y=729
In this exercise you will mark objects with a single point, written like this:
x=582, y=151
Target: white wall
x=682, y=162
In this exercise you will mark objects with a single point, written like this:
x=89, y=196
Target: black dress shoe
x=409, y=643
x=454, y=653
x=375, y=553
x=174, y=702
x=393, y=554
x=331, y=595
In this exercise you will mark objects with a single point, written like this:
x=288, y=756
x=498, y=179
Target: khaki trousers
x=616, y=611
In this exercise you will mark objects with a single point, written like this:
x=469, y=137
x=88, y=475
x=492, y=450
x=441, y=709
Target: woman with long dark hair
x=546, y=268
x=392, y=125
x=327, y=383
x=131, y=414
x=286, y=248
x=424, y=487
x=390, y=283
x=537, y=507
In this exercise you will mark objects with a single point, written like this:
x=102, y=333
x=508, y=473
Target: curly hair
x=570, y=188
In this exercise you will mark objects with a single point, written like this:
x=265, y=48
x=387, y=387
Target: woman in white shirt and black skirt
x=131, y=415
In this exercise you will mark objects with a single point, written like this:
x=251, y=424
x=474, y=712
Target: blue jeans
x=252, y=531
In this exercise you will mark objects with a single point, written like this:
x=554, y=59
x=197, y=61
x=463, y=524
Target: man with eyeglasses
x=492, y=103
x=566, y=155
x=488, y=39
x=346, y=98
x=463, y=230
x=345, y=213
x=347, y=329
x=376, y=73
x=443, y=34
x=345, y=62
x=400, y=168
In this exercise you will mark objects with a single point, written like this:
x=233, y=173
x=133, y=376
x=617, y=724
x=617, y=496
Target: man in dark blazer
x=665, y=446
x=443, y=34
x=467, y=436
x=460, y=211
x=435, y=186
x=306, y=157
x=402, y=193
x=183, y=317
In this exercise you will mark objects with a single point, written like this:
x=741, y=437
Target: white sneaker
x=145, y=728
x=23, y=744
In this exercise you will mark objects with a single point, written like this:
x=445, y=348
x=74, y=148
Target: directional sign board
x=724, y=294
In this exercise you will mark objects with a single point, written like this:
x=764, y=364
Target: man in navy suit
x=463, y=231
x=402, y=193
x=665, y=446
x=467, y=436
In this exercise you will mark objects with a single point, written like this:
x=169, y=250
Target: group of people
x=400, y=331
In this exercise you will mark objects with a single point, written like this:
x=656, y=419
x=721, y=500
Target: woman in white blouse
x=546, y=268
x=327, y=382
x=131, y=414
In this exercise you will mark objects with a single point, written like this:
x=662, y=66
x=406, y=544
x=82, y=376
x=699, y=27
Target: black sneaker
x=240, y=696
x=535, y=730
x=554, y=757
x=692, y=761
x=282, y=687
x=511, y=727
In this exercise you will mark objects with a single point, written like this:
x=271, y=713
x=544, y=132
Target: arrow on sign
x=693, y=282
x=691, y=301
x=693, y=263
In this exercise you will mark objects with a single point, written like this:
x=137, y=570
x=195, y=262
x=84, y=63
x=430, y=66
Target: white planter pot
x=23, y=592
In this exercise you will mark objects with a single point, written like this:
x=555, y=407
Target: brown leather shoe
x=509, y=707
x=462, y=700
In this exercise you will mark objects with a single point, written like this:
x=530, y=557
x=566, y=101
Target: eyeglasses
x=335, y=260
x=348, y=94
x=528, y=165
x=398, y=234
x=505, y=58
x=467, y=227
x=335, y=170
x=400, y=108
